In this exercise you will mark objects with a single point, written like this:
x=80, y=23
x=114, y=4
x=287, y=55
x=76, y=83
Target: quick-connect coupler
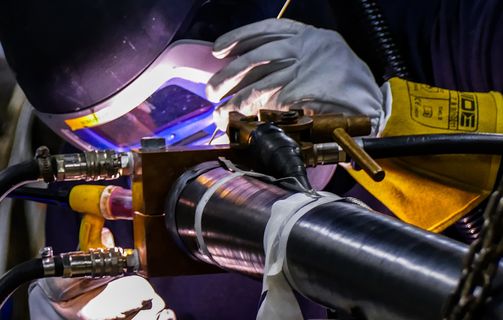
x=95, y=263
x=89, y=165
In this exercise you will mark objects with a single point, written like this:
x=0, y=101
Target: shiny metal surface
x=326, y=153
x=47, y=255
x=154, y=176
x=338, y=254
x=99, y=263
x=378, y=265
x=92, y=165
x=234, y=219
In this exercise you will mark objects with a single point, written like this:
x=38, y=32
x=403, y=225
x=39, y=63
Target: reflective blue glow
x=178, y=111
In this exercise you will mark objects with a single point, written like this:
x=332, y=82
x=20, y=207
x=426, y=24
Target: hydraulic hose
x=25, y=272
x=338, y=254
x=17, y=175
x=430, y=144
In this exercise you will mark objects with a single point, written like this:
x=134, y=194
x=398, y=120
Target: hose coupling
x=43, y=157
x=325, y=153
x=92, y=165
x=95, y=263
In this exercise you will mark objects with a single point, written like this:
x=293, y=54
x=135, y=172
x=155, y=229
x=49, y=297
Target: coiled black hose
x=391, y=59
x=430, y=144
x=470, y=226
x=17, y=175
x=24, y=272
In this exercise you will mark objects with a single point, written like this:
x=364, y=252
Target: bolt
x=46, y=252
x=153, y=144
x=289, y=117
x=42, y=152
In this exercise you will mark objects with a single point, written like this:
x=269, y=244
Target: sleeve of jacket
x=455, y=44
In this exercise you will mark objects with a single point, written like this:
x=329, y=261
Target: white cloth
x=132, y=297
x=282, y=63
x=280, y=302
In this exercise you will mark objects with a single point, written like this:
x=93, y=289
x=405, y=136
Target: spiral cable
x=393, y=63
x=470, y=226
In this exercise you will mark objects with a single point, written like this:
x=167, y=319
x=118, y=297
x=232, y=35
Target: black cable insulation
x=431, y=144
x=15, y=175
x=24, y=272
x=278, y=153
x=59, y=197
x=392, y=61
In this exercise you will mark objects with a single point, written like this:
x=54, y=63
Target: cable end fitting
x=95, y=263
x=98, y=263
x=92, y=165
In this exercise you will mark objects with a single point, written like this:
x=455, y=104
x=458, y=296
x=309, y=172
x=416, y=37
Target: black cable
x=25, y=272
x=391, y=59
x=58, y=196
x=431, y=144
x=15, y=175
x=278, y=153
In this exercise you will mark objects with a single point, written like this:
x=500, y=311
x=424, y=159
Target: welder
x=105, y=75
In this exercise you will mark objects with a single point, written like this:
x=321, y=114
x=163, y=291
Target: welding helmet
x=104, y=74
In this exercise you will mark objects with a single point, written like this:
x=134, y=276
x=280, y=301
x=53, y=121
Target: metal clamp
x=43, y=155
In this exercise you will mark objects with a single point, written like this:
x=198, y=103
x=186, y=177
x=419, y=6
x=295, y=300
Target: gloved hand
x=433, y=192
x=129, y=297
x=282, y=64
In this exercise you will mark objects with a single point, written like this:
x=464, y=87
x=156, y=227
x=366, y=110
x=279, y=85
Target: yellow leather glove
x=433, y=192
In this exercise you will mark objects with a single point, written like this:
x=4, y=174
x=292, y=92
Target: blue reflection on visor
x=177, y=111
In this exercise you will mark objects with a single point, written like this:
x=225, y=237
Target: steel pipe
x=338, y=254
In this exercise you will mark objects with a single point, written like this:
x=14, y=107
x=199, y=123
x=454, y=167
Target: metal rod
x=372, y=168
x=283, y=9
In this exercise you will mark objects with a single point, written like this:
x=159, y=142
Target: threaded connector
x=95, y=263
x=92, y=165
x=325, y=153
x=99, y=263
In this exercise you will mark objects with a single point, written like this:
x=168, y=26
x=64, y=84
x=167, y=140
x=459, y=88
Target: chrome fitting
x=92, y=165
x=99, y=263
x=328, y=153
x=48, y=263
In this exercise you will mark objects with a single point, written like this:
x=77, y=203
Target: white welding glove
x=129, y=297
x=282, y=64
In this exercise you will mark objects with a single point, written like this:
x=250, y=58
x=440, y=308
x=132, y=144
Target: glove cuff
x=380, y=123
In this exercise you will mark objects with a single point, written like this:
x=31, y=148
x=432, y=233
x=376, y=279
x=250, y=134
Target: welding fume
x=257, y=159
